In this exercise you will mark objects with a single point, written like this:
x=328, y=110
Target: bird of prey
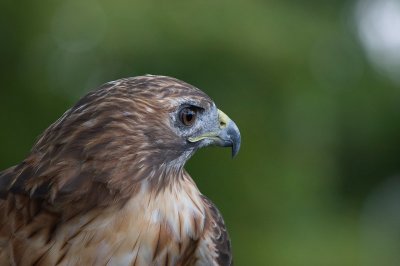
x=105, y=184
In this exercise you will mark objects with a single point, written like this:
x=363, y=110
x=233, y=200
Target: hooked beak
x=227, y=135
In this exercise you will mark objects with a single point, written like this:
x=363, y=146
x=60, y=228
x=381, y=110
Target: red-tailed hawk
x=105, y=184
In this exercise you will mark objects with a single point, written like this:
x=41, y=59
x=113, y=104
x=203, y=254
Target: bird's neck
x=177, y=205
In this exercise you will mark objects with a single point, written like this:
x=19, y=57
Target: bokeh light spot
x=378, y=24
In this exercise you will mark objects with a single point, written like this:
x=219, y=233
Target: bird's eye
x=188, y=116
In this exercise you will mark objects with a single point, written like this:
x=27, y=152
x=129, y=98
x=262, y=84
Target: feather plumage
x=105, y=184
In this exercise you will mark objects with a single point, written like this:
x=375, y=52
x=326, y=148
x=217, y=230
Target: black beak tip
x=235, y=141
x=235, y=149
x=234, y=152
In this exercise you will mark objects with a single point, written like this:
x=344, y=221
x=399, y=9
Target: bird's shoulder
x=217, y=234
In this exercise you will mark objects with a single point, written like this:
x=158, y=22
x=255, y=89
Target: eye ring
x=188, y=116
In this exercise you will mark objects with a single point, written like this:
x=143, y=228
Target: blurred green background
x=314, y=87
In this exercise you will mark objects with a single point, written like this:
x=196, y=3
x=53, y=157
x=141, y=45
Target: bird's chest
x=151, y=229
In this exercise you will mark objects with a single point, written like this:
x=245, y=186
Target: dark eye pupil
x=188, y=116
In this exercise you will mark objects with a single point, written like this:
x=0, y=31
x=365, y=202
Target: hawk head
x=175, y=119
